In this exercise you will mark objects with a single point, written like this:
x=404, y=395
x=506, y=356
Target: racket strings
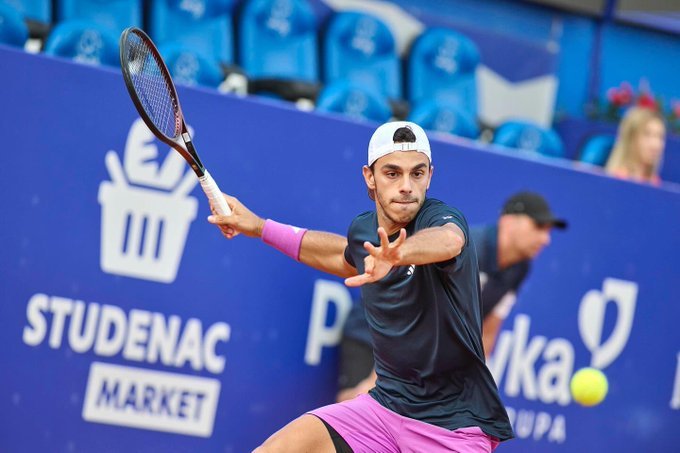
x=152, y=87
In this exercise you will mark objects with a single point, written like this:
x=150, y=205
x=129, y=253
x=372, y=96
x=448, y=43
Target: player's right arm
x=326, y=252
x=318, y=249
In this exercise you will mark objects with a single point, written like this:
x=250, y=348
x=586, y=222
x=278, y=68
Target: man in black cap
x=504, y=253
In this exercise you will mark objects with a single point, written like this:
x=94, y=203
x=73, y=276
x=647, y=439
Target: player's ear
x=430, y=177
x=369, y=177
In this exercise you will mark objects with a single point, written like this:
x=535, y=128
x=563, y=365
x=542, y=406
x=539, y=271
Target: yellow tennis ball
x=589, y=386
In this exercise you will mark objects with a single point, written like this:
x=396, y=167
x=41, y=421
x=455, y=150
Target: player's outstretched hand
x=241, y=220
x=380, y=259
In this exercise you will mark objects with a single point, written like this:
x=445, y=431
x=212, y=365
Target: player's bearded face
x=400, y=182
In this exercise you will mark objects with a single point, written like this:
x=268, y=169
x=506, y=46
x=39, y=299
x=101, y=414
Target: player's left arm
x=430, y=245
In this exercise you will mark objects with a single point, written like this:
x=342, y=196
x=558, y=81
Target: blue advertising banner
x=131, y=324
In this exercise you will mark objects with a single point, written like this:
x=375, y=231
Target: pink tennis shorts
x=369, y=427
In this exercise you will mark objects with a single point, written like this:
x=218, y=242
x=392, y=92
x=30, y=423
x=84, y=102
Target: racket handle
x=214, y=194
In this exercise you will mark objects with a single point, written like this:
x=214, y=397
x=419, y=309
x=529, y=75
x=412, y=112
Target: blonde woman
x=639, y=147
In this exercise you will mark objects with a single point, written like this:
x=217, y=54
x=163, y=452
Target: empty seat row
x=280, y=39
x=277, y=46
x=115, y=14
x=34, y=10
x=439, y=114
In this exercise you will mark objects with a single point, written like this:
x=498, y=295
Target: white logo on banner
x=156, y=400
x=538, y=368
x=591, y=319
x=132, y=396
x=144, y=229
x=320, y=335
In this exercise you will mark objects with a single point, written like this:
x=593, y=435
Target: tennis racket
x=153, y=92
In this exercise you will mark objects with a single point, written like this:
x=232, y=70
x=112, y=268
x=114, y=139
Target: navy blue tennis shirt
x=425, y=325
x=497, y=283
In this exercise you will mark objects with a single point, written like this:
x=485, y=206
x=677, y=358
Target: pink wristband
x=285, y=238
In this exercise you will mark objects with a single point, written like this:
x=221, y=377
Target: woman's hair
x=631, y=126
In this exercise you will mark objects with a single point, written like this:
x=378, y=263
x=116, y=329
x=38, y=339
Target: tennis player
x=417, y=269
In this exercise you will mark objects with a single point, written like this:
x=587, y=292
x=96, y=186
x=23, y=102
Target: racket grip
x=214, y=194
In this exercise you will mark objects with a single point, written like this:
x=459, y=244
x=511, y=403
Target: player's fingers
x=384, y=240
x=217, y=219
x=231, y=201
x=400, y=240
x=370, y=248
x=357, y=280
x=369, y=265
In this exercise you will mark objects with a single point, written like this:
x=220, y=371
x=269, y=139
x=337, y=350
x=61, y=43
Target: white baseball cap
x=382, y=141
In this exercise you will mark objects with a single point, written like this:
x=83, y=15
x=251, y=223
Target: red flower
x=619, y=97
x=612, y=94
x=647, y=101
x=625, y=97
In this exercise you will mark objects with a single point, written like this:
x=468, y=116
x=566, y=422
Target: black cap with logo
x=535, y=206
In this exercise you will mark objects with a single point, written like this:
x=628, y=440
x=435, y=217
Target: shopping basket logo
x=145, y=226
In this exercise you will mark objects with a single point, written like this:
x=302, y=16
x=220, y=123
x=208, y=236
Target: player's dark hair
x=404, y=135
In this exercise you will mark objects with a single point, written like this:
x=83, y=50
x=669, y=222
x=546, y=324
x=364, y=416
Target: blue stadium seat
x=360, y=48
x=113, y=14
x=13, y=29
x=40, y=10
x=354, y=101
x=204, y=25
x=529, y=137
x=277, y=39
x=441, y=64
x=191, y=68
x=442, y=116
x=84, y=42
x=596, y=149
